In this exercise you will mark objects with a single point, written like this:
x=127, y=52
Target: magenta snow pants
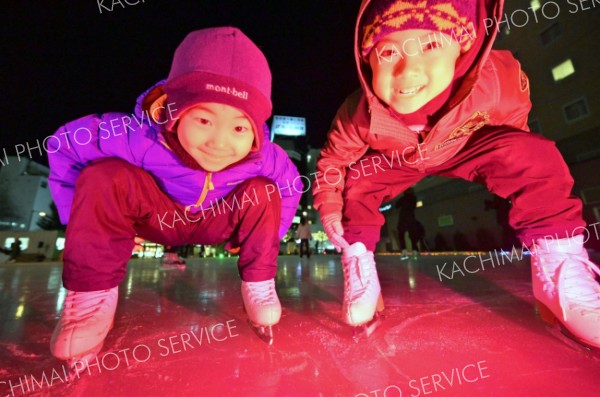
x=115, y=201
x=522, y=166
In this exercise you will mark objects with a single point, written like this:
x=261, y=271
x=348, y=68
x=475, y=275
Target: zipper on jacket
x=208, y=186
x=422, y=135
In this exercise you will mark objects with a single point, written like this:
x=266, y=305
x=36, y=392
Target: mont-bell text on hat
x=227, y=90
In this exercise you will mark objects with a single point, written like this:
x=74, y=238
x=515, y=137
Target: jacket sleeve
x=77, y=144
x=279, y=168
x=344, y=146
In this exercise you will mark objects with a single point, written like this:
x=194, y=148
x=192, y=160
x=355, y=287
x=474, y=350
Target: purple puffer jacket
x=138, y=139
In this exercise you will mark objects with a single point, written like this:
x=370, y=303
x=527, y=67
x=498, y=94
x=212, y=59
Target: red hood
x=487, y=9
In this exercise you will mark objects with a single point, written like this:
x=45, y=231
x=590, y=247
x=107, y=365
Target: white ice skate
x=171, y=260
x=362, y=305
x=565, y=288
x=85, y=321
x=262, y=306
x=404, y=255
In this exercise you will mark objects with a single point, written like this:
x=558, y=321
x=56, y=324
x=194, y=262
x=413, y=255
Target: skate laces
x=83, y=305
x=580, y=285
x=262, y=292
x=357, y=270
x=575, y=280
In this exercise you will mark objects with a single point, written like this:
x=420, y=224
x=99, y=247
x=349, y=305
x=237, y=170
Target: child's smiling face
x=411, y=67
x=215, y=135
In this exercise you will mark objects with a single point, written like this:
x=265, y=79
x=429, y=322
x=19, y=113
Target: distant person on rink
x=304, y=234
x=407, y=222
x=15, y=251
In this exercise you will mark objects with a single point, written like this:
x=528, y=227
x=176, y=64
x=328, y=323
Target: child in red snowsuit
x=437, y=100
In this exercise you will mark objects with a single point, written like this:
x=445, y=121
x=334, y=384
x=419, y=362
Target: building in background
x=559, y=53
x=24, y=194
x=25, y=200
x=289, y=132
x=312, y=155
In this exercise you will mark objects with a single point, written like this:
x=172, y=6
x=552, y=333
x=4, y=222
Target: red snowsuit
x=371, y=156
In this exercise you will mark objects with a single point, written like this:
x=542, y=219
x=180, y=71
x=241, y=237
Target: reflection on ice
x=191, y=335
x=60, y=299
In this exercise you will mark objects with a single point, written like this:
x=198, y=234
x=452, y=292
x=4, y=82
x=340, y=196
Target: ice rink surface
x=449, y=330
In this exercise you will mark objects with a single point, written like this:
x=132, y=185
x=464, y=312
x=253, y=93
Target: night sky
x=64, y=60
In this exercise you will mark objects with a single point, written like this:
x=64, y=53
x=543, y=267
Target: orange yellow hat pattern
x=454, y=18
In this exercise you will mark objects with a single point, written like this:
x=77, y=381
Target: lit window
x=10, y=240
x=419, y=204
x=535, y=5
x=563, y=70
x=445, y=220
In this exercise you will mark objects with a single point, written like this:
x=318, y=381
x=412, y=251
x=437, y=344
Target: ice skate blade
x=558, y=330
x=264, y=332
x=563, y=335
x=365, y=330
x=79, y=364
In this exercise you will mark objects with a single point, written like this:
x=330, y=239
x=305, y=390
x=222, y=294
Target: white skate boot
x=404, y=254
x=565, y=289
x=85, y=321
x=171, y=260
x=362, y=293
x=262, y=306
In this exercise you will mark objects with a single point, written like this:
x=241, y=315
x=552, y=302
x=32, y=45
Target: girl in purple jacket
x=192, y=165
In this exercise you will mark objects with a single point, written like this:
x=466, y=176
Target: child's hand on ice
x=333, y=228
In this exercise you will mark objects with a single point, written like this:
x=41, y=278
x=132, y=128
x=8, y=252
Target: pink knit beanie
x=220, y=65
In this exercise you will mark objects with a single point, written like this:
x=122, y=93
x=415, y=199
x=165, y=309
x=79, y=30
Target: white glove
x=332, y=223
